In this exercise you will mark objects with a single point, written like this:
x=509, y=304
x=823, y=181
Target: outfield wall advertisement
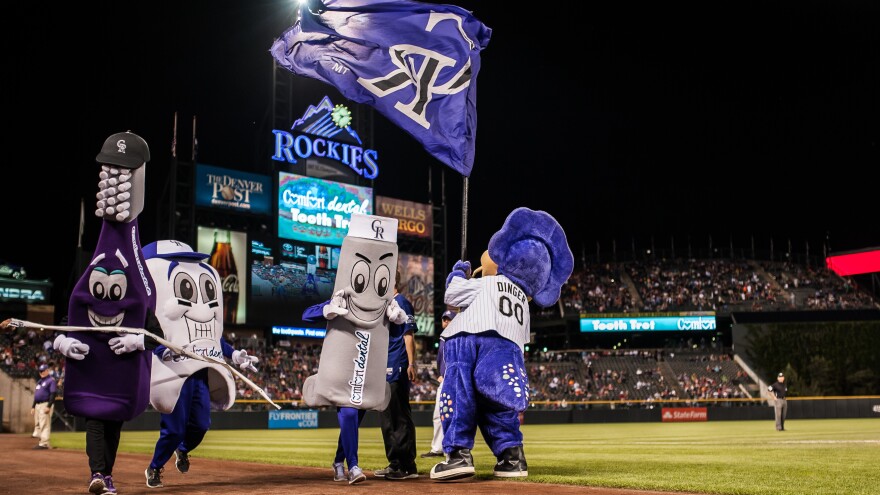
x=293, y=419
x=683, y=414
x=639, y=323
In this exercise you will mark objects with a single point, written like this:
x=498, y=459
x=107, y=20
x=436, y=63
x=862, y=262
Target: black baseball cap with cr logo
x=124, y=149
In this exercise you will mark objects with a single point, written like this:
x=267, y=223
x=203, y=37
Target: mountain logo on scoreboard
x=328, y=121
x=324, y=134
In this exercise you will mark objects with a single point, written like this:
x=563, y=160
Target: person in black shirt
x=398, y=429
x=780, y=406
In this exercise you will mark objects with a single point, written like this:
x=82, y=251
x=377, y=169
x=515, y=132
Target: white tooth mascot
x=189, y=307
x=486, y=384
x=354, y=356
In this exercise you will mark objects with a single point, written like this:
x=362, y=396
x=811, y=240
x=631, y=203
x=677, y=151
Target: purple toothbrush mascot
x=107, y=375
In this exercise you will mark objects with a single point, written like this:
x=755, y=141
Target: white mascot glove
x=129, y=342
x=70, y=347
x=395, y=314
x=336, y=307
x=244, y=361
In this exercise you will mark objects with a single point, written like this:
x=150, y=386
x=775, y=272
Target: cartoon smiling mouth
x=105, y=321
x=366, y=313
x=200, y=329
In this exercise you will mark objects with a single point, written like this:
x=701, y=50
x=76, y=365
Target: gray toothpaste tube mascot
x=354, y=356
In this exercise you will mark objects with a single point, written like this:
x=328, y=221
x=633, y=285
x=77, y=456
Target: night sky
x=629, y=122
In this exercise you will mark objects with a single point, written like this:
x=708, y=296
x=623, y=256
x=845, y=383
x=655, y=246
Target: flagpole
x=82, y=222
x=172, y=185
x=464, y=215
x=174, y=138
x=195, y=142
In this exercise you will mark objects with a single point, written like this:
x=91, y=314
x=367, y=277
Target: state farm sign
x=680, y=414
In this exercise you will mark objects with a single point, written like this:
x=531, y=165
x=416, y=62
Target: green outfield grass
x=828, y=456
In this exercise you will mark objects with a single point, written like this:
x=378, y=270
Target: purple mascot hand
x=460, y=269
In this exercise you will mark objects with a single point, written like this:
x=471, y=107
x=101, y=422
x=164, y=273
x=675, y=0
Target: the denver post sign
x=324, y=132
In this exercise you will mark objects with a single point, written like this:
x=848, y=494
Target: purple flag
x=416, y=63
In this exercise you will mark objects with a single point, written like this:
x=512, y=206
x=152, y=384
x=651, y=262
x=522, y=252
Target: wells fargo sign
x=413, y=219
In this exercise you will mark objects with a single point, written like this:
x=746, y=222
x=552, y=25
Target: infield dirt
x=62, y=471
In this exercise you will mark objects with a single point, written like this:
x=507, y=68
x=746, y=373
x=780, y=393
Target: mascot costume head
x=115, y=290
x=189, y=307
x=532, y=251
x=354, y=356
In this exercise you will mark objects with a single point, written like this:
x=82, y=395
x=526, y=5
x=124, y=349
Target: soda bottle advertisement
x=228, y=250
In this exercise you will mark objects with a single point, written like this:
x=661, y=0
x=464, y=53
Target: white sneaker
x=355, y=475
x=339, y=472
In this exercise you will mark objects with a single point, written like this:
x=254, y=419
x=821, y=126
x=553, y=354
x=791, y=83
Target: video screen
x=288, y=277
x=318, y=211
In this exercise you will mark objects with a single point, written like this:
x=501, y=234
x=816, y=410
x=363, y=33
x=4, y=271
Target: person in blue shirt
x=398, y=429
x=44, y=400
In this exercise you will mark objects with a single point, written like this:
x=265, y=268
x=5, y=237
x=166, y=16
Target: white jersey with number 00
x=488, y=303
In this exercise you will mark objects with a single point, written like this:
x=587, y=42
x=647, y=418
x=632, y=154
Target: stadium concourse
x=61, y=471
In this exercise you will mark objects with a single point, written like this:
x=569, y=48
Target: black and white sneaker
x=380, y=473
x=458, y=464
x=402, y=474
x=512, y=463
x=154, y=477
x=181, y=461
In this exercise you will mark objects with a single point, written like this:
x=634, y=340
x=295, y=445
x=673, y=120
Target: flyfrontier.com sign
x=681, y=414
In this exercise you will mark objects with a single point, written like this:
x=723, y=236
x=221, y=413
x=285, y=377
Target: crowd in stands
x=635, y=378
x=720, y=285
x=699, y=285
x=557, y=379
x=598, y=290
x=822, y=288
x=21, y=351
